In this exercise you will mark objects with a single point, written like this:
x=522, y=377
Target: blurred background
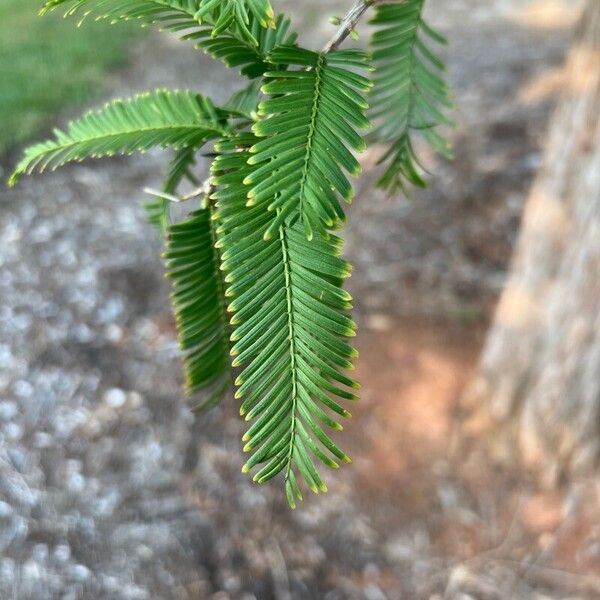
x=476, y=440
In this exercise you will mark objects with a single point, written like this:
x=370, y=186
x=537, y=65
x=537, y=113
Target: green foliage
x=236, y=14
x=192, y=265
x=176, y=15
x=257, y=272
x=161, y=118
x=410, y=94
x=309, y=123
x=236, y=52
x=289, y=319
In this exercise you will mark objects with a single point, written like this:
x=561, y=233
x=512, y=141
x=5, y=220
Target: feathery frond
x=251, y=30
x=174, y=15
x=157, y=210
x=237, y=15
x=192, y=265
x=161, y=118
x=290, y=323
x=260, y=249
x=410, y=94
x=309, y=124
x=217, y=16
x=236, y=52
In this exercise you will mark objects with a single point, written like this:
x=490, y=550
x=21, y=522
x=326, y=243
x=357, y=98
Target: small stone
x=7, y=359
x=135, y=400
x=115, y=397
x=79, y=573
x=113, y=333
x=144, y=552
x=62, y=553
x=8, y=410
x=7, y=571
x=13, y=431
x=133, y=592
x=399, y=550
x=5, y=510
x=111, y=310
x=379, y=322
x=110, y=583
x=75, y=483
x=373, y=592
x=42, y=440
x=83, y=333
x=23, y=389
x=40, y=553
x=31, y=571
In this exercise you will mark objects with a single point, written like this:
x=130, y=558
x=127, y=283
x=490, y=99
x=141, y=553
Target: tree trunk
x=540, y=368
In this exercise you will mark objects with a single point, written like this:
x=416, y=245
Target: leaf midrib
x=43, y=149
x=167, y=5
x=292, y=339
x=413, y=61
x=413, y=89
x=311, y=130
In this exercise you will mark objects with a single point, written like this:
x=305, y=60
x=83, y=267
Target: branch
x=348, y=24
x=204, y=190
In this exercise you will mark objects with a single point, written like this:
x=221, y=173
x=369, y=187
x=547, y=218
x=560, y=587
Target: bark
x=540, y=368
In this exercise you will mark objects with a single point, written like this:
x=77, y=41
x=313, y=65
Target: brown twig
x=348, y=24
x=205, y=189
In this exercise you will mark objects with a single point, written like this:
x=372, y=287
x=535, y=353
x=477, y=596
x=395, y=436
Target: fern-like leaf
x=410, y=94
x=237, y=15
x=192, y=265
x=237, y=53
x=309, y=123
x=161, y=118
x=290, y=323
x=174, y=15
x=217, y=16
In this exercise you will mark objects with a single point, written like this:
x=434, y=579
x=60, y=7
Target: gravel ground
x=108, y=486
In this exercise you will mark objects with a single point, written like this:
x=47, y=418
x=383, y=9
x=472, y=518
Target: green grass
x=48, y=64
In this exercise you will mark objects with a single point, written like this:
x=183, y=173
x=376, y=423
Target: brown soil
x=412, y=375
x=480, y=514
